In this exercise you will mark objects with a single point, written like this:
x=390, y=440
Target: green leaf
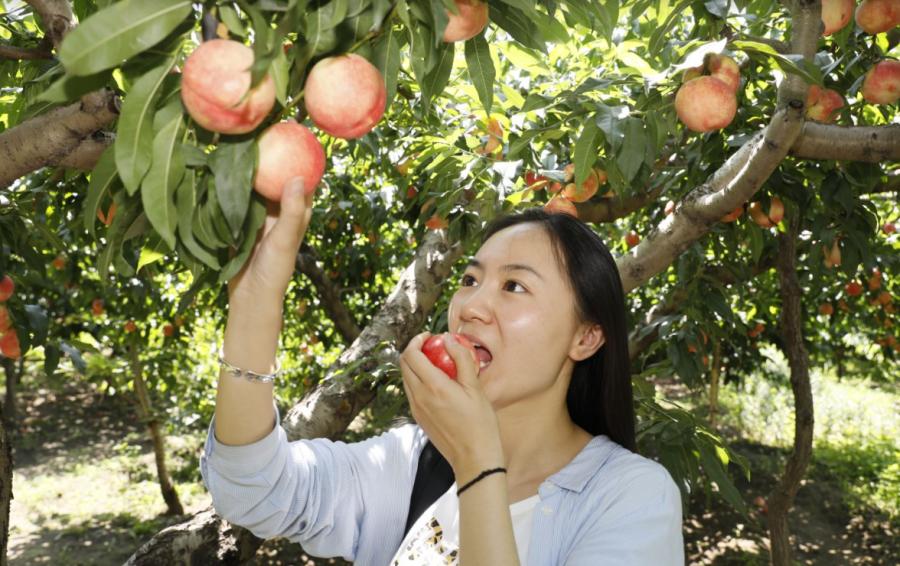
x=520, y=24
x=126, y=213
x=158, y=189
x=38, y=321
x=134, y=138
x=481, y=70
x=387, y=59
x=716, y=472
x=631, y=155
x=186, y=202
x=233, y=165
x=229, y=16
x=279, y=70
x=114, y=35
x=255, y=220
x=437, y=78
x=788, y=64
x=586, y=148
x=103, y=177
x=609, y=119
x=72, y=87
x=152, y=251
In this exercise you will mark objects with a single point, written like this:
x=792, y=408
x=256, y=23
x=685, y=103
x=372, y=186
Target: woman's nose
x=475, y=305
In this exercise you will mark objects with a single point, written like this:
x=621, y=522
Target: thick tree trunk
x=169, y=493
x=782, y=497
x=12, y=382
x=6, y=493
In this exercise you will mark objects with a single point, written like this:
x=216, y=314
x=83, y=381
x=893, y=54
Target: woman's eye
x=467, y=280
x=513, y=286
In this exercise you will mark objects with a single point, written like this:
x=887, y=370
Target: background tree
x=572, y=104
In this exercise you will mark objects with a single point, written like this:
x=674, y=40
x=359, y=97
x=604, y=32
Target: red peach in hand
x=288, y=150
x=215, y=86
x=345, y=95
x=436, y=351
x=705, y=104
x=469, y=22
x=882, y=83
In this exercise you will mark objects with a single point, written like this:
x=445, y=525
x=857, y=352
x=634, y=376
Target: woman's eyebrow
x=508, y=267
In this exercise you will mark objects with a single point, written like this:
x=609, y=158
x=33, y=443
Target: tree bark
x=6, y=492
x=872, y=144
x=12, y=381
x=330, y=295
x=56, y=18
x=326, y=411
x=50, y=137
x=169, y=493
x=782, y=497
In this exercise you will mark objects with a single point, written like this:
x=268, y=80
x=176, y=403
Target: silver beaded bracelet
x=235, y=371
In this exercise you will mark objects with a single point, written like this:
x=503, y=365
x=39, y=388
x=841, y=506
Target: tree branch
x=871, y=144
x=88, y=152
x=56, y=17
x=643, y=336
x=609, y=209
x=49, y=138
x=23, y=53
x=330, y=294
x=729, y=187
x=739, y=177
x=327, y=410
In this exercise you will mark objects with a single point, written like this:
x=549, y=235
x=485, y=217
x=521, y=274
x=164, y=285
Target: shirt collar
x=585, y=465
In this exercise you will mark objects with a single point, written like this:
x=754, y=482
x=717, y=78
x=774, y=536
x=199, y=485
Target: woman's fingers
x=296, y=211
x=465, y=359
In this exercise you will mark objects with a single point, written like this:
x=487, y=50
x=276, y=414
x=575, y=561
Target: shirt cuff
x=246, y=459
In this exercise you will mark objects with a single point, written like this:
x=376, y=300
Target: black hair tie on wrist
x=480, y=477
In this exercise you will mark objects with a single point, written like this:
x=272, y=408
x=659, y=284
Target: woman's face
x=516, y=302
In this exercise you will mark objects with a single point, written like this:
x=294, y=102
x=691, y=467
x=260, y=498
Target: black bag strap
x=433, y=478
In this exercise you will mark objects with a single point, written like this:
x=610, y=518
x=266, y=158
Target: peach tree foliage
x=574, y=81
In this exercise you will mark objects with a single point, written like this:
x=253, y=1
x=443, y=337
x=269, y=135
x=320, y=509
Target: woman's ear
x=587, y=341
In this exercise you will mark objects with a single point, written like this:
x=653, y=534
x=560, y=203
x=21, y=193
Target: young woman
x=538, y=427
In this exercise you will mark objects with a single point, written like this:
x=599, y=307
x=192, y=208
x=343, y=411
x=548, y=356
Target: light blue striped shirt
x=608, y=506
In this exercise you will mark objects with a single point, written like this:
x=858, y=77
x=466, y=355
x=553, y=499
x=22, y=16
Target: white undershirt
x=434, y=537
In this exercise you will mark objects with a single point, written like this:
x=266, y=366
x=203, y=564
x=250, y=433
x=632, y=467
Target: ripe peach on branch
x=345, y=95
x=836, y=14
x=705, y=104
x=882, y=83
x=215, y=88
x=821, y=103
x=471, y=18
x=877, y=16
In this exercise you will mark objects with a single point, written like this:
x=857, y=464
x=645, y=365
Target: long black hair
x=600, y=398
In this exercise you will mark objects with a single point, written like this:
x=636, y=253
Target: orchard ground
x=85, y=488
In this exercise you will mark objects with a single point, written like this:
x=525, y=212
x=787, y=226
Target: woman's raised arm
x=244, y=409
